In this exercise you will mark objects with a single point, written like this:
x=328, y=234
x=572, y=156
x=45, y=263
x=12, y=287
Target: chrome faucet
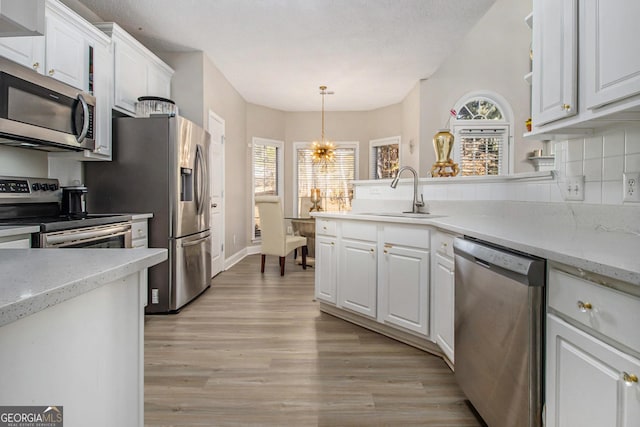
x=417, y=204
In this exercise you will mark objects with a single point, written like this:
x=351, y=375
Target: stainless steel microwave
x=40, y=112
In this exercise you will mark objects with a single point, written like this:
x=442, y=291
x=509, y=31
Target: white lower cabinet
x=593, y=350
x=403, y=278
x=326, y=268
x=378, y=271
x=357, y=266
x=588, y=383
x=444, y=296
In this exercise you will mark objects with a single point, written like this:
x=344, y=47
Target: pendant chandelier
x=323, y=150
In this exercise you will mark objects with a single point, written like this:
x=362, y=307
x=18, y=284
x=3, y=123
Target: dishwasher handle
x=528, y=270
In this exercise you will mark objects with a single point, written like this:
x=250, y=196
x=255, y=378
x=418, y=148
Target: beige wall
x=493, y=56
x=410, y=154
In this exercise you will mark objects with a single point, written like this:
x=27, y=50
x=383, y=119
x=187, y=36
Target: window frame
x=508, y=155
x=280, y=163
x=381, y=142
x=307, y=145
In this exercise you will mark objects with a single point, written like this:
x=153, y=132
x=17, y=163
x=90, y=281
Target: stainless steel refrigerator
x=159, y=166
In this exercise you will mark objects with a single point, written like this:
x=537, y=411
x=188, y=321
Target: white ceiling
x=276, y=53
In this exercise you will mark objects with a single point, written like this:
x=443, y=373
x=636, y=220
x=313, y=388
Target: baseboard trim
x=421, y=343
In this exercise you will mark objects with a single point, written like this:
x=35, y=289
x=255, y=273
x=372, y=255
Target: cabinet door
x=158, y=82
x=444, y=304
x=404, y=288
x=27, y=51
x=555, y=55
x=357, y=277
x=130, y=77
x=584, y=373
x=66, y=53
x=326, y=260
x=611, y=70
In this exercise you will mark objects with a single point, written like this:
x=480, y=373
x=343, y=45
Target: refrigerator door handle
x=200, y=180
x=196, y=242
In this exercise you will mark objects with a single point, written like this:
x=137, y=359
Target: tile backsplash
x=602, y=159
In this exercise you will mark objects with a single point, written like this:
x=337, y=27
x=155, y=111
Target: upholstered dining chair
x=275, y=240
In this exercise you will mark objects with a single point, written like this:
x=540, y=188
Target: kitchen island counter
x=72, y=325
x=35, y=279
x=611, y=253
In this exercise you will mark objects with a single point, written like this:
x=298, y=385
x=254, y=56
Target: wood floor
x=254, y=350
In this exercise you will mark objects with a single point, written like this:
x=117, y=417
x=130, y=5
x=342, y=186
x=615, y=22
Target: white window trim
x=507, y=150
x=374, y=143
x=294, y=164
x=280, y=184
x=507, y=111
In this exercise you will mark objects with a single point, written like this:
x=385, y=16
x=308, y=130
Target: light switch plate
x=631, y=187
x=574, y=188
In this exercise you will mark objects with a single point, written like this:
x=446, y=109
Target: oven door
x=104, y=236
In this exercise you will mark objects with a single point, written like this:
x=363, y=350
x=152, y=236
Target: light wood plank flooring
x=254, y=350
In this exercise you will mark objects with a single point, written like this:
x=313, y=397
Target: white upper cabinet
x=137, y=71
x=27, y=51
x=66, y=53
x=555, y=56
x=609, y=64
x=584, y=75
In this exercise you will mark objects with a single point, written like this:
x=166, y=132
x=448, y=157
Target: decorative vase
x=443, y=144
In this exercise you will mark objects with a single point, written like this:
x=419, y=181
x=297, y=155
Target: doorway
x=216, y=185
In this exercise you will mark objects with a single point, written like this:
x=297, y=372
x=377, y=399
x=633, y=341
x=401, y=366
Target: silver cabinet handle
x=52, y=72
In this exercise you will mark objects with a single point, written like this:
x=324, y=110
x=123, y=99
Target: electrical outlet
x=574, y=188
x=631, y=186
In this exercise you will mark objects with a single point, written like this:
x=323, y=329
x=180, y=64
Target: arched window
x=483, y=135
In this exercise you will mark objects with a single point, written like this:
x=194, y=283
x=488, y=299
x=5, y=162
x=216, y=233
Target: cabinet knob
x=36, y=65
x=372, y=250
x=332, y=243
x=52, y=72
x=566, y=107
x=584, y=306
x=629, y=379
x=386, y=251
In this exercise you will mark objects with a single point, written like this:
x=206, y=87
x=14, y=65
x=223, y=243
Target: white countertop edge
x=448, y=223
x=12, y=230
x=75, y=282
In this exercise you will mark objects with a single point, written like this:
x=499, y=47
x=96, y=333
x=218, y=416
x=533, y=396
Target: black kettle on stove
x=74, y=204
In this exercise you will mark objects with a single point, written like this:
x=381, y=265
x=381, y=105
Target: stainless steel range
x=36, y=201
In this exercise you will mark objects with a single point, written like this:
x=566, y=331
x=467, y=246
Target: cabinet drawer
x=139, y=230
x=442, y=243
x=325, y=227
x=608, y=311
x=359, y=230
x=139, y=243
x=417, y=237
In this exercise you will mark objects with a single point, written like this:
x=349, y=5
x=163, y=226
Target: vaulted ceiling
x=277, y=53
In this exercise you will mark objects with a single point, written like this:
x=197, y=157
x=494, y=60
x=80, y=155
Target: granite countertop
x=34, y=279
x=15, y=230
x=609, y=253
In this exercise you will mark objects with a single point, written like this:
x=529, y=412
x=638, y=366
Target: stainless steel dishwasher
x=499, y=298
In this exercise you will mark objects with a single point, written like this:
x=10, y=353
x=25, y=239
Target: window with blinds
x=481, y=151
x=333, y=179
x=267, y=173
x=384, y=158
